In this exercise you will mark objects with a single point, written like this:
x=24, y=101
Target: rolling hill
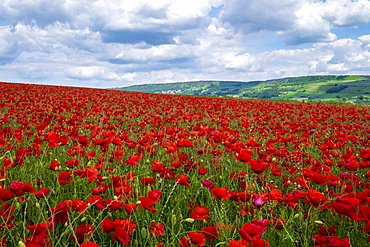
x=344, y=87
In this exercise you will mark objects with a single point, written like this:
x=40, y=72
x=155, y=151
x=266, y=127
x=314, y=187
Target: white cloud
x=345, y=13
x=117, y=42
x=258, y=15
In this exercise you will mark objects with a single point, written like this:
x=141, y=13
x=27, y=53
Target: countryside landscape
x=97, y=167
x=185, y=123
x=351, y=89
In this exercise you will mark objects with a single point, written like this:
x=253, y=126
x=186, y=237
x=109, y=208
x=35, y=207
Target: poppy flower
x=72, y=163
x=6, y=194
x=200, y=213
x=64, y=178
x=81, y=232
x=20, y=188
x=278, y=223
x=318, y=178
x=183, y=180
x=89, y=244
x=43, y=192
x=54, y=166
x=78, y=205
x=197, y=238
x=97, y=201
x=259, y=201
x=221, y=193
x=253, y=230
x=244, y=155
x=210, y=232
x=156, y=229
x=238, y=243
x=155, y=195
x=130, y=208
x=208, y=184
x=121, y=235
x=147, y=181
x=258, y=166
x=107, y=225
x=317, y=199
x=185, y=242
x=147, y=203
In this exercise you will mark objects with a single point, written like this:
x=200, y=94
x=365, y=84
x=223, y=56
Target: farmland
x=91, y=167
x=351, y=88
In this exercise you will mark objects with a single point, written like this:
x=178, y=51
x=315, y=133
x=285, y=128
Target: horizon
x=126, y=43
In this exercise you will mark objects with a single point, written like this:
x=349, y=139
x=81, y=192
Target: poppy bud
x=138, y=202
x=319, y=222
x=21, y=244
x=173, y=219
x=144, y=233
x=189, y=220
x=37, y=205
x=136, y=243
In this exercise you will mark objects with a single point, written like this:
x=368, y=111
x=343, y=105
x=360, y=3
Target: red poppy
x=258, y=166
x=78, y=205
x=317, y=199
x=221, y=193
x=64, y=178
x=147, y=203
x=210, y=232
x=183, y=180
x=156, y=229
x=113, y=204
x=200, y=213
x=121, y=235
x=278, y=223
x=6, y=194
x=202, y=170
x=244, y=155
x=130, y=208
x=253, y=230
x=197, y=238
x=155, y=195
x=89, y=244
x=43, y=192
x=97, y=201
x=54, y=166
x=318, y=178
x=81, y=232
x=238, y=243
x=147, y=181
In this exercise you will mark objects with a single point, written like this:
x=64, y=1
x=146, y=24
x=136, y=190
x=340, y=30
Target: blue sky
x=100, y=43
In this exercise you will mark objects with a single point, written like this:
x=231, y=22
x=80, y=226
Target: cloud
x=9, y=48
x=260, y=15
x=103, y=43
x=345, y=13
x=296, y=21
x=137, y=36
x=40, y=12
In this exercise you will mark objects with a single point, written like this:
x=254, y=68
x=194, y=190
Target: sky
x=116, y=43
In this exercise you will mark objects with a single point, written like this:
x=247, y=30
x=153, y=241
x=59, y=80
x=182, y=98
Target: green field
x=347, y=88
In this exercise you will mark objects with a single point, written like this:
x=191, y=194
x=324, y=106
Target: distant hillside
x=305, y=87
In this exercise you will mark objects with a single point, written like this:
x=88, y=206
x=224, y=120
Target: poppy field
x=92, y=167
